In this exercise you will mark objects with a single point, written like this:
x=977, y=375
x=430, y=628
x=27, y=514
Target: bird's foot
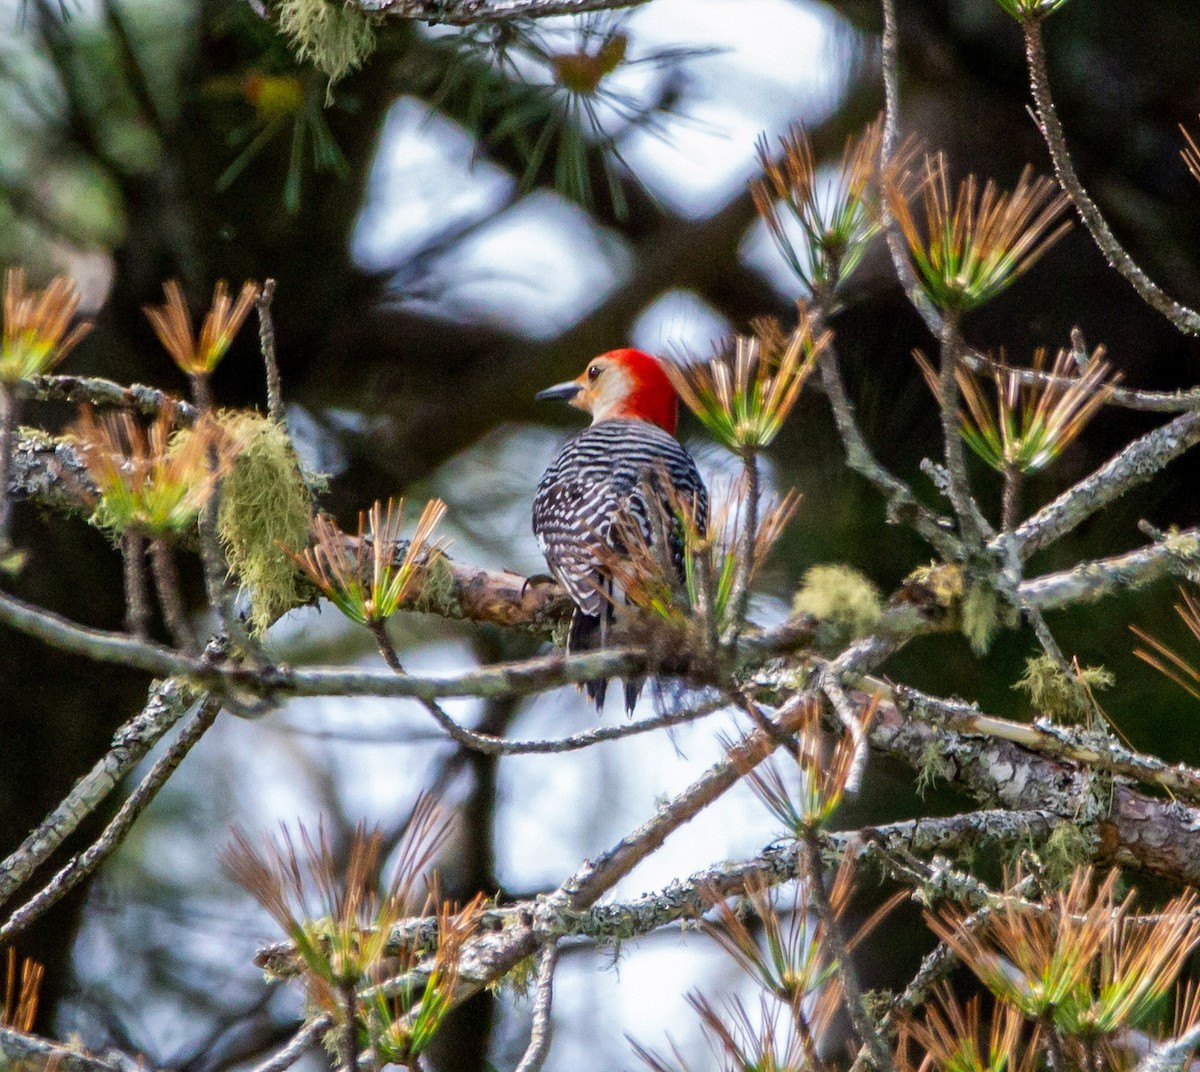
x=537, y=578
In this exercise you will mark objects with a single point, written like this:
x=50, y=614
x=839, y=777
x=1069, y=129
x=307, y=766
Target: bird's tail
x=589, y=632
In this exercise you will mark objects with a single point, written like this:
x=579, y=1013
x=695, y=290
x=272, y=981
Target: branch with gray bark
x=482, y=12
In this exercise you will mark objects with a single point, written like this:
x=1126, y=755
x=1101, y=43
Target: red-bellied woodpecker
x=609, y=471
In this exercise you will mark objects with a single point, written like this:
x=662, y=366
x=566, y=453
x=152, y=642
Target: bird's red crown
x=622, y=383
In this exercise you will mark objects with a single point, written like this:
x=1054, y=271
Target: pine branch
x=18, y=1050
x=1138, y=462
x=1185, y=319
x=686, y=900
x=167, y=703
x=480, y=12
x=85, y=864
x=539, y=1037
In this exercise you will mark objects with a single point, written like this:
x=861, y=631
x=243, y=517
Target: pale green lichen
x=559, y=633
x=941, y=582
x=980, y=616
x=266, y=505
x=519, y=979
x=337, y=38
x=437, y=592
x=1063, y=697
x=845, y=603
x=1066, y=849
x=932, y=767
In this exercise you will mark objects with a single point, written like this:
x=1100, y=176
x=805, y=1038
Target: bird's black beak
x=560, y=391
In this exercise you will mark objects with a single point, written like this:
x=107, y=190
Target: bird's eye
x=594, y=372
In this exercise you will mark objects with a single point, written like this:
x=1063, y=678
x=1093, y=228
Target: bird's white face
x=622, y=383
x=605, y=387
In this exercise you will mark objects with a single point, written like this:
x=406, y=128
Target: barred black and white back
x=605, y=473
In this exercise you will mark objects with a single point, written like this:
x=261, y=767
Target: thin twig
x=349, y=1046
x=478, y=12
x=220, y=596
x=498, y=746
x=539, y=1034
x=81, y=866
x=216, y=569
x=266, y=340
x=168, y=702
x=8, y=426
x=903, y=504
x=844, y=710
x=975, y=528
x=1185, y=319
x=889, y=48
x=1122, y=397
x=201, y=391
x=1135, y=464
x=137, y=597
x=298, y=1046
x=166, y=583
x=1049, y=645
x=148, y=401
x=864, y=1026
x=489, y=744
x=740, y=594
x=1010, y=502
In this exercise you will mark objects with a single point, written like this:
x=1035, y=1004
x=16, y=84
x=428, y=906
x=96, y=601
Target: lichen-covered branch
x=1129, y=827
x=167, y=703
x=687, y=899
x=20, y=1051
x=1178, y=554
x=1135, y=464
x=1086, y=747
x=475, y=12
x=48, y=472
x=83, y=865
x=95, y=391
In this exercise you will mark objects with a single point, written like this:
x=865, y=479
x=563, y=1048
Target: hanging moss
x=265, y=503
x=932, y=768
x=337, y=38
x=980, y=616
x=845, y=602
x=1067, y=849
x=437, y=589
x=1063, y=697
